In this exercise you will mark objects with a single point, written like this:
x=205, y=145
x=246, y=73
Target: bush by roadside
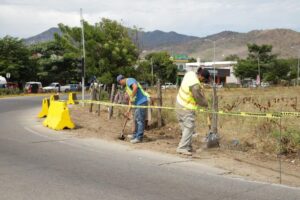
x=6, y=91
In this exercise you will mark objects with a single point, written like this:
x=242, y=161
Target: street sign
x=7, y=75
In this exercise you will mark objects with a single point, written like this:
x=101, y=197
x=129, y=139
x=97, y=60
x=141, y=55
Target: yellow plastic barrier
x=58, y=116
x=45, y=108
x=54, y=97
x=72, y=98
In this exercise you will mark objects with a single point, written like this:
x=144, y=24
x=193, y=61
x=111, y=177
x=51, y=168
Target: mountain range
x=226, y=42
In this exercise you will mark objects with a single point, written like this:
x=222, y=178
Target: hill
x=146, y=40
x=45, y=36
x=227, y=42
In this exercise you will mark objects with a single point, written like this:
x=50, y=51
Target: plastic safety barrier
x=54, y=97
x=72, y=98
x=58, y=116
x=45, y=108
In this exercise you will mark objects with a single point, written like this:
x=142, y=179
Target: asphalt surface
x=38, y=163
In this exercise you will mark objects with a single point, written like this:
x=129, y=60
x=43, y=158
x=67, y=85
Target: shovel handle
x=208, y=121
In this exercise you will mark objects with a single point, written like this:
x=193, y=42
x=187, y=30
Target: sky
x=25, y=18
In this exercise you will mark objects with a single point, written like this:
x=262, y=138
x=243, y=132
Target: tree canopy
x=15, y=59
x=109, y=50
x=163, y=67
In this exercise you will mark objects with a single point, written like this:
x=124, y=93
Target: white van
x=33, y=87
x=2, y=82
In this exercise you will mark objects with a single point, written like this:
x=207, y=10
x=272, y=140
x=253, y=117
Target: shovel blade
x=122, y=137
x=212, y=140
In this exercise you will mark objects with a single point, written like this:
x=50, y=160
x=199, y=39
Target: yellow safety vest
x=129, y=92
x=185, y=97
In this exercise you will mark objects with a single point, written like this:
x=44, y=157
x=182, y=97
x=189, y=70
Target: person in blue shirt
x=137, y=97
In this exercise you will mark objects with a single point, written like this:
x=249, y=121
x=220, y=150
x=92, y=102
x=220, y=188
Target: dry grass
x=250, y=134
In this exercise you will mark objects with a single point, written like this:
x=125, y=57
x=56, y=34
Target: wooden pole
x=92, y=97
x=99, y=98
x=110, y=113
x=159, y=103
x=215, y=109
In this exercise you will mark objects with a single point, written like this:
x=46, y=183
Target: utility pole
x=298, y=67
x=152, y=72
x=214, y=127
x=215, y=97
x=258, y=66
x=83, y=54
x=214, y=63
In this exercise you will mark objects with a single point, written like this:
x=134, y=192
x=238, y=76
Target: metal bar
x=83, y=53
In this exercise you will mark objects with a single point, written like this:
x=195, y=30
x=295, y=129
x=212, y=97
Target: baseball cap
x=120, y=77
x=204, y=73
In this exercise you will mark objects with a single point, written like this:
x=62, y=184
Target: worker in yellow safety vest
x=137, y=97
x=189, y=98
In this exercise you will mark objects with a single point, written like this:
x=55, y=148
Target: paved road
x=37, y=163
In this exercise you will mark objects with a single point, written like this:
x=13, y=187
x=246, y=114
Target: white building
x=224, y=70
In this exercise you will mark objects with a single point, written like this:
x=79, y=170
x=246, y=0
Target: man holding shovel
x=137, y=97
x=190, y=96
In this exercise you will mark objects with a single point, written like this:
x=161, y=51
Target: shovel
x=122, y=137
x=212, y=139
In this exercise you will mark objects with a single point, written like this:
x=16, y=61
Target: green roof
x=180, y=57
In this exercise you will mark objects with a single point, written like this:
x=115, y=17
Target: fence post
x=159, y=103
x=215, y=109
x=99, y=98
x=92, y=97
x=110, y=113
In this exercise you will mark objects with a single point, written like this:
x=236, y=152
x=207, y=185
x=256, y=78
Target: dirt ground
x=251, y=164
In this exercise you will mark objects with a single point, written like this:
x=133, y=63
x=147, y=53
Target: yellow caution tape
x=201, y=110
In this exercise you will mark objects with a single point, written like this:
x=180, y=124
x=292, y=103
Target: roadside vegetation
x=6, y=91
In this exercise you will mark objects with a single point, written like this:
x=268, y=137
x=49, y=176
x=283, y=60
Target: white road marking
x=36, y=133
x=61, y=141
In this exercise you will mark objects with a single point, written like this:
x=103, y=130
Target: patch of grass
x=104, y=96
x=290, y=140
x=6, y=91
x=169, y=116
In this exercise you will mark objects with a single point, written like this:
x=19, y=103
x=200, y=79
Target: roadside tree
x=163, y=67
x=109, y=50
x=259, y=61
x=52, y=64
x=15, y=59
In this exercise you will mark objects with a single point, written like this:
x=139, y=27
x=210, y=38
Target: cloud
x=24, y=18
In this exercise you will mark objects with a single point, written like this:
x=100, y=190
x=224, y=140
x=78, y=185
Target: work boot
x=135, y=140
x=184, y=152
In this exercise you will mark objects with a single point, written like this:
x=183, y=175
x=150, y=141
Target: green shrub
x=232, y=85
x=104, y=96
x=6, y=91
x=290, y=141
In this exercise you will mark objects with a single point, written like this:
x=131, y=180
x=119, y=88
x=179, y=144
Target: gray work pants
x=186, y=119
